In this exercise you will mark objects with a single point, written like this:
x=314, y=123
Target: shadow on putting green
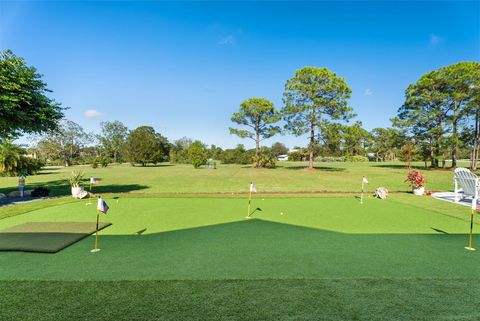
x=254, y=249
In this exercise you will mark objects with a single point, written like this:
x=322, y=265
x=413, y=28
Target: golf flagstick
x=93, y=181
x=90, y=195
x=96, y=249
x=364, y=181
x=474, y=206
x=102, y=207
x=252, y=189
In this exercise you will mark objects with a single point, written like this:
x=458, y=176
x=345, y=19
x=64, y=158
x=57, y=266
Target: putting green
x=209, y=238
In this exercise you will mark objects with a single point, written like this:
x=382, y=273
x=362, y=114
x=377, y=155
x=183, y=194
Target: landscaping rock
x=17, y=193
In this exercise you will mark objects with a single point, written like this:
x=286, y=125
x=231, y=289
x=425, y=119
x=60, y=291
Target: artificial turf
x=209, y=238
x=45, y=237
x=198, y=258
x=228, y=300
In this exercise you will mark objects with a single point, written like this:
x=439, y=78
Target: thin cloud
x=435, y=39
x=228, y=40
x=92, y=113
x=368, y=92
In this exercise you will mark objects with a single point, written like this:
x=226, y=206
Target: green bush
x=298, y=156
x=95, y=162
x=237, y=156
x=264, y=159
x=104, y=161
x=329, y=159
x=197, y=153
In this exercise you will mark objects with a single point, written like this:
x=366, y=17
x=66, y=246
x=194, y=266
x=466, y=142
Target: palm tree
x=10, y=157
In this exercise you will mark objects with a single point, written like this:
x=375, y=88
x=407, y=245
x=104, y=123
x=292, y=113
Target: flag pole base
x=247, y=217
x=94, y=250
x=470, y=248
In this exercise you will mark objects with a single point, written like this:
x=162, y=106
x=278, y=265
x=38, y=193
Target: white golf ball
x=281, y=213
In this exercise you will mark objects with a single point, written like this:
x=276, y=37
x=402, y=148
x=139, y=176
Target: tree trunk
x=312, y=142
x=432, y=157
x=454, y=137
x=476, y=141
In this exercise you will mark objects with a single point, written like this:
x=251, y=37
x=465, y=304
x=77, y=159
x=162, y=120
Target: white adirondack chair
x=469, y=182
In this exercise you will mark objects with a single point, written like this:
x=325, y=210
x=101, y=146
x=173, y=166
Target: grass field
x=287, y=177
x=196, y=257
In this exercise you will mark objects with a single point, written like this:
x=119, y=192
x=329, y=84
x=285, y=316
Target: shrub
x=40, y=192
x=197, y=153
x=298, y=156
x=95, y=162
x=104, y=161
x=237, y=156
x=76, y=178
x=356, y=159
x=329, y=159
x=264, y=159
x=415, y=179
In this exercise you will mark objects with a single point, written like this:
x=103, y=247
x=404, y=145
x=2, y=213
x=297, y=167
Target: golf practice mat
x=46, y=237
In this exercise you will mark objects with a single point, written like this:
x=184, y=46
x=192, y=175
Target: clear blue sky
x=184, y=67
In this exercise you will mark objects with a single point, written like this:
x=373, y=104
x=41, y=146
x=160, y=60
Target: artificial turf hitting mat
x=45, y=237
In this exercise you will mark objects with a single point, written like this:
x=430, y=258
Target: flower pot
x=76, y=191
x=419, y=191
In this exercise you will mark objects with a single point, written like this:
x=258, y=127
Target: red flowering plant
x=415, y=179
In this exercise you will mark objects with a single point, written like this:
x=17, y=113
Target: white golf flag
x=364, y=180
x=474, y=204
x=93, y=181
x=102, y=206
x=252, y=188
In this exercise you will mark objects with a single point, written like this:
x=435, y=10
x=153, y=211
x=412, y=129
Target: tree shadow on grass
x=419, y=167
x=61, y=187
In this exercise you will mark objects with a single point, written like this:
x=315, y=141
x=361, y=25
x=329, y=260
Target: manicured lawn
x=288, y=177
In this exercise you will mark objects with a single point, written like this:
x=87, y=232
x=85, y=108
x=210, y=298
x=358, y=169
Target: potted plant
x=75, y=182
x=417, y=181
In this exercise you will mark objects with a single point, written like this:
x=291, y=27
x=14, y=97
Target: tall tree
x=387, y=143
x=355, y=139
x=65, y=142
x=460, y=81
x=24, y=106
x=330, y=138
x=112, y=138
x=423, y=115
x=144, y=145
x=259, y=114
x=311, y=95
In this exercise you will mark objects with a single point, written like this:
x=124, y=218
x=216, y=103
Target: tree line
x=439, y=120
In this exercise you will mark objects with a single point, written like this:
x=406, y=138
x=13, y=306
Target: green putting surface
x=209, y=238
x=45, y=237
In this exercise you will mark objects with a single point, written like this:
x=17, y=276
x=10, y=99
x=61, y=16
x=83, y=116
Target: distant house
x=282, y=158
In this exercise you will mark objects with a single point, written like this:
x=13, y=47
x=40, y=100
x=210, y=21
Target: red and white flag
x=102, y=206
x=252, y=188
